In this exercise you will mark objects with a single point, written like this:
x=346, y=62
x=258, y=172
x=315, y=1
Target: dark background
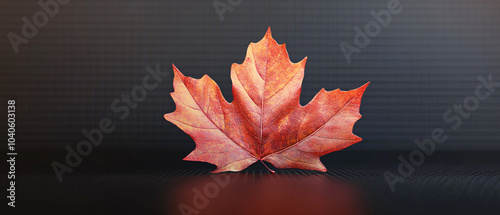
x=92, y=52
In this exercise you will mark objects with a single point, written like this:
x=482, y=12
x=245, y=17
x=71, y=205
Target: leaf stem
x=267, y=167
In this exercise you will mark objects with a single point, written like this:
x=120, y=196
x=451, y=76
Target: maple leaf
x=265, y=121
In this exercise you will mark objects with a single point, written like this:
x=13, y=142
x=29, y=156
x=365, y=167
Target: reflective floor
x=348, y=190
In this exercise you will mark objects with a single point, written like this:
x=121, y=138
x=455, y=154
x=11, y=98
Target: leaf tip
x=189, y=157
x=303, y=61
x=363, y=88
x=177, y=72
x=174, y=67
x=320, y=167
x=166, y=116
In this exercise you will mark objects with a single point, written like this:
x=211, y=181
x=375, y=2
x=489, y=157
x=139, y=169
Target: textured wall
x=427, y=58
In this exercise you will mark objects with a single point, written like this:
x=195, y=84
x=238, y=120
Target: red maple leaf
x=265, y=121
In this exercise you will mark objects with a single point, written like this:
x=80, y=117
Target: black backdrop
x=91, y=52
x=426, y=59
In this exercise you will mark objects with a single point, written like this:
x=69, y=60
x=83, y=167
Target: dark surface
x=431, y=190
x=460, y=183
